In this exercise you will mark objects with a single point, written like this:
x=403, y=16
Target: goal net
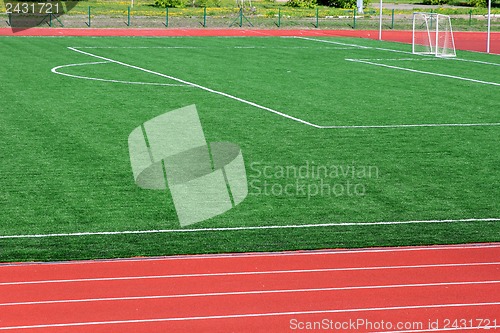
x=432, y=34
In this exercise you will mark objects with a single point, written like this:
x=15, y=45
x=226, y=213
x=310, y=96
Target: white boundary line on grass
x=278, y=112
x=216, y=47
x=196, y=86
x=408, y=69
x=423, y=72
x=255, y=315
x=293, y=226
x=396, y=51
x=251, y=292
x=55, y=70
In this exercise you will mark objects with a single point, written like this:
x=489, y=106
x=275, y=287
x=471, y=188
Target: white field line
x=250, y=273
x=424, y=72
x=399, y=59
x=352, y=45
x=55, y=70
x=252, y=292
x=410, y=125
x=264, y=227
x=428, y=59
x=277, y=112
x=398, y=51
x=197, y=86
x=255, y=315
x=475, y=61
x=245, y=255
x=216, y=47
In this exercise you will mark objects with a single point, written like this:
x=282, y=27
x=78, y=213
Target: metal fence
x=280, y=18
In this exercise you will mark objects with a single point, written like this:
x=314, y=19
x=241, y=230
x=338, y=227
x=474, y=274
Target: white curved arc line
x=55, y=70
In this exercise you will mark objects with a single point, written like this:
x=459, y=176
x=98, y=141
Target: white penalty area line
x=241, y=100
x=255, y=315
x=250, y=273
x=249, y=228
x=197, y=86
x=251, y=292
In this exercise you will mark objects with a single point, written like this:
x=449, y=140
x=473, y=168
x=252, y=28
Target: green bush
x=481, y=3
x=169, y=3
x=435, y=2
x=348, y=4
x=301, y=3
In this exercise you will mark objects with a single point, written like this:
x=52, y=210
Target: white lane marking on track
x=253, y=292
x=255, y=315
x=291, y=271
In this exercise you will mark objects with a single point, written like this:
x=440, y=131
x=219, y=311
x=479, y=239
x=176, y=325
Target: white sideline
x=250, y=273
x=208, y=47
x=265, y=227
x=251, y=292
x=281, y=113
x=254, y=315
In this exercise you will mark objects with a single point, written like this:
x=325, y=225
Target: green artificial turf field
x=66, y=169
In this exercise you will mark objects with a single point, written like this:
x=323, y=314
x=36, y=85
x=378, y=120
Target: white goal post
x=432, y=34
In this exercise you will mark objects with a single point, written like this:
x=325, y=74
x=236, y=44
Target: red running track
x=412, y=289
x=472, y=41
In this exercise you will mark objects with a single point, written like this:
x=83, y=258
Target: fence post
x=354, y=19
x=9, y=20
x=470, y=17
x=128, y=16
x=166, y=17
x=317, y=17
x=204, y=17
x=279, y=17
x=392, y=21
x=89, y=23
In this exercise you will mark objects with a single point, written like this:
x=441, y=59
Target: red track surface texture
x=419, y=289
x=473, y=41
